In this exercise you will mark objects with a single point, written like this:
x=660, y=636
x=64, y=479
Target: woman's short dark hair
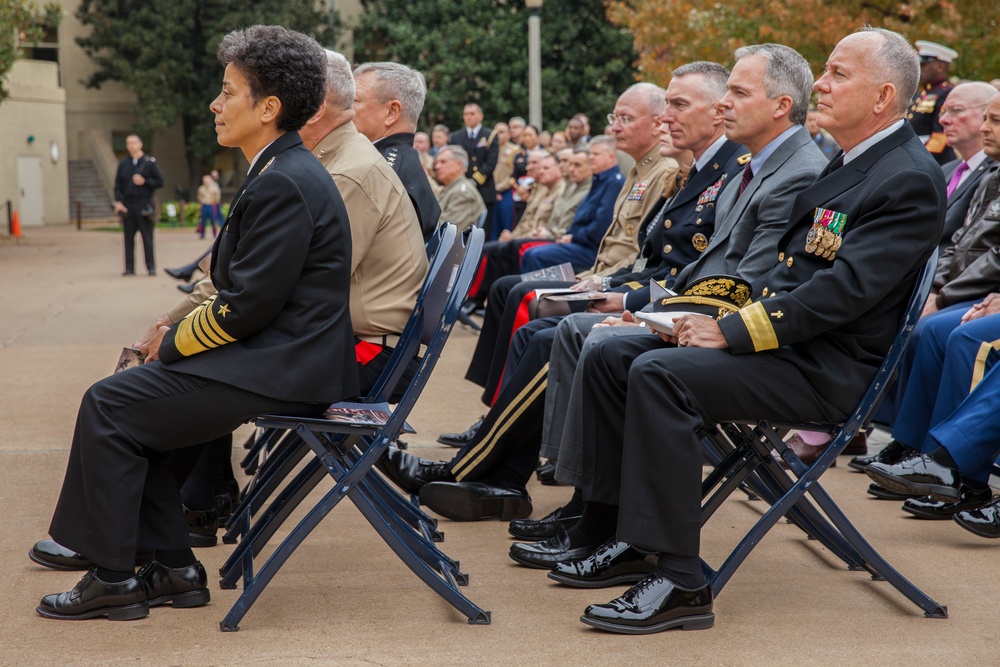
x=277, y=61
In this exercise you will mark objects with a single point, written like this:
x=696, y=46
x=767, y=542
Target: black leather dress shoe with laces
x=203, y=527
x=411, y=472
x=983, y=521
x=545, y=554
x=918, y=474
x=181, y=587
x=475, y=501
x=928, y=508
x=550, y=525
x=53, y=555
x=612, y=564
x=883, y=493
x=894, y=452
x=460, y=439
x=653, y=605
x=92, y=598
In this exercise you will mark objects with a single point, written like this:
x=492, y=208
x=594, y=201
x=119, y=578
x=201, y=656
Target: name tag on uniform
x=640, y=265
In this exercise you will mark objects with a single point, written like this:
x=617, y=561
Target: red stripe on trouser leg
x=477, y=282
x=522, y=318
x=365, y=351
x=528, y=246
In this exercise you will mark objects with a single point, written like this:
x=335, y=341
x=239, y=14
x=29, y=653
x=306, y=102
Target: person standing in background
x=137, y=177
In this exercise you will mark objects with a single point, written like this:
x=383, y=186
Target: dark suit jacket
x=693, y=208
x=280, y=325
x=747, y=234
x=484, y=151
x=834, y=319
x=126, y=190
x=399, y=152
x=958, y=202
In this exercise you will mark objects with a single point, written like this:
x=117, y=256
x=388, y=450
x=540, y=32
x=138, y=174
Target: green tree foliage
x=21, y=22
x=477, y=51
x=164, y=51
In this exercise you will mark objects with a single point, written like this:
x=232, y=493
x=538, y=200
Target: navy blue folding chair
x=742, y=457
x=347, y=452
x=463, y=315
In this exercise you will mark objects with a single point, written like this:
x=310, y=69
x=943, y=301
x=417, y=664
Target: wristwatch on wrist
x=605, y=283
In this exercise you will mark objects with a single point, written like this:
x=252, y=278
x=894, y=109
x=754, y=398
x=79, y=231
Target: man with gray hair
x=387, y=102
x=460, y=202
x=804, y=349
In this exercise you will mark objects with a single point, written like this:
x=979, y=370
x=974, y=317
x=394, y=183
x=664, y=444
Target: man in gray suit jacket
x=961, y=117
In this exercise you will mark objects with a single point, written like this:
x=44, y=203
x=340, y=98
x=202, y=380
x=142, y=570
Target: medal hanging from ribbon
x=826, y=234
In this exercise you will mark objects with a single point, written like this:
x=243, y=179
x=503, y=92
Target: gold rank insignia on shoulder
x=743, y=159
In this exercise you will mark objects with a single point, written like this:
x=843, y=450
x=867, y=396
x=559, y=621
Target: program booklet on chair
x=562, y=272
x=362, y=414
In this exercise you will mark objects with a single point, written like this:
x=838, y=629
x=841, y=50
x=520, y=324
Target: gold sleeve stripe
x=634, y=284
x=186, y=339
x=979, y=366
x=213, y=323
x=759, y=327
x=203, y=333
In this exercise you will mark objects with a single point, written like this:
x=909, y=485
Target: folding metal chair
x=463, y=315
x=346, y=453
x=742, y=454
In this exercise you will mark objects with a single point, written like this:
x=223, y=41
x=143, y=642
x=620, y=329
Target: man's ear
x=394, y=110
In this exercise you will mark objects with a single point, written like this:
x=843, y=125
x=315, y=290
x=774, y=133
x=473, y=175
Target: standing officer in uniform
x=138, y=175
x=276, y=338
x=388, y=100
x=935, y=61
x=484, y=153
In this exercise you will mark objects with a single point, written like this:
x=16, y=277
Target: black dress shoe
x=928, y=508
x=653, y=605
x=128, y=273
x=983, y=521
x=918, y=474
x=546, y=474
x=613, y=563
x=152, y=272
x=187, y=289
x=203, y=527
x=883, y=493
x=53, y=555
x=411, y=472
x=183, y=274
x=894, y=452
x=92, y=598
x=180, y=586
x=475, y=501
x=552, y=524
x=463, y=438
x=545, y=554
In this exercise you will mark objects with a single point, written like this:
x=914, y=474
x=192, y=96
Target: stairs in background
x=85, y=186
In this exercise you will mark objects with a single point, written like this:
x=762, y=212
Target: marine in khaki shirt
x=534, y=222
x=460, y=201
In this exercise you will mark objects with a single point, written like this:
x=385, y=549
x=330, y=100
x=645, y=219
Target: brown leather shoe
x=858, y=446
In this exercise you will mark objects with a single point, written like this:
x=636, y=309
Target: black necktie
x=690, y=176
x=836, y=164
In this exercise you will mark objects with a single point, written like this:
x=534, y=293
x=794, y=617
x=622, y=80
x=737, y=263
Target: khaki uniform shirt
x=388, y=258
x=461, y=204
x=539, y=209
x=505, y=166
x=642, y=190
x=564, y=208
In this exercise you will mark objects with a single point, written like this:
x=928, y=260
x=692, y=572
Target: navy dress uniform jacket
x=835, y=319
x=399, y=152
x=280, y=324
x=484, y=152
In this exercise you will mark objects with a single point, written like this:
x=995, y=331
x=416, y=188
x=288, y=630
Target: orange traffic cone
x=15, y=226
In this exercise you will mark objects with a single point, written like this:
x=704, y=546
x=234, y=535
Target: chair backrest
x=434, y=242
x=481, y=220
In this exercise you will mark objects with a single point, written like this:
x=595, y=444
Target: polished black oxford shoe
x=411, y=472
x=203, y=527
x=928, y=508
x=187, y=289
x=550, y=525
x=883, y=493
x=894, y=452
x=475, y=501
x=92, y=597
x=53, y=555
x=463, y=438
x=918, y=474
x=983, y=521
x=546, y=474
x=653, y=605
x=613, y=563
x=181, y=587
x=183, y=274
x=545, y=554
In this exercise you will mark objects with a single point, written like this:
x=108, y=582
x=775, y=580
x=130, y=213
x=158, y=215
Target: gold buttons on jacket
x=673, y=271
x=698, y=221
x=781, y=257
x=764, y=292
x=667, y=224
x=667, y=248
x=791, y=260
